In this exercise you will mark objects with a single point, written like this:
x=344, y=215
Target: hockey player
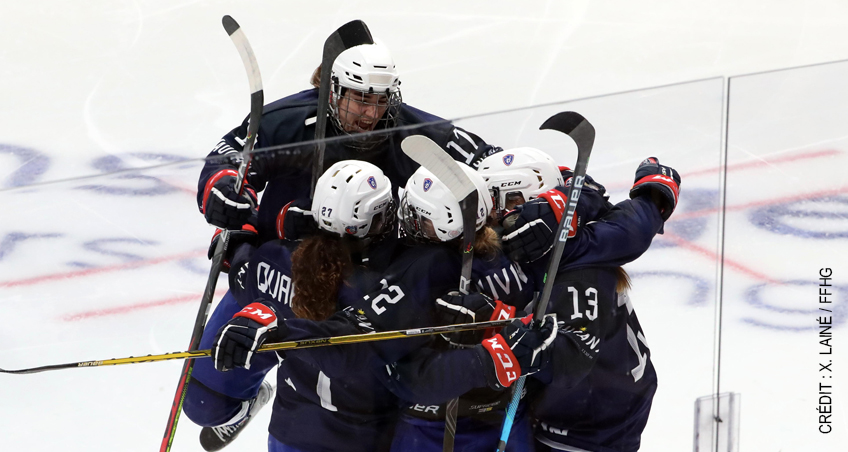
x=591, y=258
x=262, y=283
x=368, y=120
x=597, y=394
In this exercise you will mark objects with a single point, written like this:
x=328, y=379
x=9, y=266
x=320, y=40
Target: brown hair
x=623, y=280
x=316, y=77
x=319, y=266
x=487, y=244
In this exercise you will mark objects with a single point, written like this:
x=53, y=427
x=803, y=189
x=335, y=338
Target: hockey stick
x=290, y=345
x=256, y=102
x=583, y=134
x=431, y=156
x=351, y=34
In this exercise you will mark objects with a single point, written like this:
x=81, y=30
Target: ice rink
x=109, y=106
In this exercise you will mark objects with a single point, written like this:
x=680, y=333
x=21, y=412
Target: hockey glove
x=247, y=234
x=529, y=229
x=454, y=308
x=523, y=348
x=223, y=206
x=239, y=338
x=295, y=221
x=661, y=182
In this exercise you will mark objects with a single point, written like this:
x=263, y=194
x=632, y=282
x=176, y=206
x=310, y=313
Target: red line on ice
x=758, y=163
x=747, y=165
x=135, y=307
x=767, y=202
x=683, y=243
x=94, y=271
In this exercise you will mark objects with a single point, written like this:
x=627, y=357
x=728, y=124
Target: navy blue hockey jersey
x=597, y=393
x=313, y=409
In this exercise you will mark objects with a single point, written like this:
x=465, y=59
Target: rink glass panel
x=787, y=218
x=112, y=263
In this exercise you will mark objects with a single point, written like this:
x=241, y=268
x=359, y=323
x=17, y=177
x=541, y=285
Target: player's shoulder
x=419, y=261
x=276, y=253
x=410, y=115
x=305, y=98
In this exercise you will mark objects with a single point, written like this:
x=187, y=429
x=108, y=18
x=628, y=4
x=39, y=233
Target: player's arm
x=619, y=236
x=217, y=199
x=466, y=147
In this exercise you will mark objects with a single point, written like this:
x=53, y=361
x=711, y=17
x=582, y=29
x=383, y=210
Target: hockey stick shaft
x=349, y=35
x=256, y=103
x=279, y=346
x=583, y=134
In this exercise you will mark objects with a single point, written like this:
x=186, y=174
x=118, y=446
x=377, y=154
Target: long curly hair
x=319, y=266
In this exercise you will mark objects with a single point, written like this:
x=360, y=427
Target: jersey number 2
x=396, y=295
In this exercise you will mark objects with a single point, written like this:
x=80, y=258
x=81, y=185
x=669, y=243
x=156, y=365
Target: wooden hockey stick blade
x=430, y=155
x=289, y=345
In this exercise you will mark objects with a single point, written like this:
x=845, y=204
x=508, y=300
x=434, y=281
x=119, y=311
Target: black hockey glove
x=454, y=308
x=660, y=182
x=523, y=348
x=295, y=220
x=529, y=230
x=239, y=338
x=247, y=234
x=223, y=206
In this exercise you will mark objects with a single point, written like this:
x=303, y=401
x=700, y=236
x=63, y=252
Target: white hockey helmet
x=353, y=198
x=517, y=175
x=369, y=68
x=430, y=211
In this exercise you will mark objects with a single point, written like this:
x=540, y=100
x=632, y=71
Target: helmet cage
x=415, y=225
x=340, y=107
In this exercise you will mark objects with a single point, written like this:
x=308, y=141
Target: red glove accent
x=281, y=233
x=212, y=181
x=664, y=180
x=506, y=365
x=502, y=312
x=558, y=203
x=259, y=313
